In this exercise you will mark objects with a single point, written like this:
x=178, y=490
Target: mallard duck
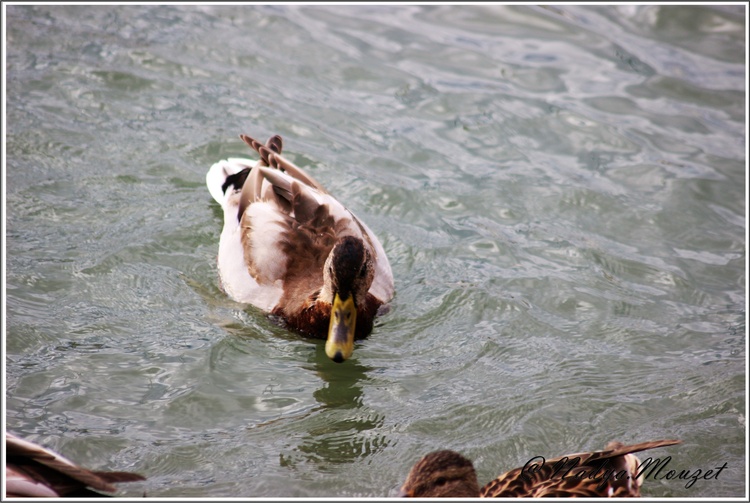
x=586, y=474
x=36, y=472
x=291, y=249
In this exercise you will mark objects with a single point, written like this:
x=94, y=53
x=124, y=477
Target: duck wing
x=302, y=198
x=32, y=470
x=288, y=232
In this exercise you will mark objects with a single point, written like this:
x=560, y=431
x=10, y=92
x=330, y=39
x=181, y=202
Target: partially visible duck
x=35, y=472
x=291, y=249
x=448, y=474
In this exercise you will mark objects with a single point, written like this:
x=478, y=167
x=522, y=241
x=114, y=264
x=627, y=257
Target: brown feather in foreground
x=607, y=473
x=33, y=471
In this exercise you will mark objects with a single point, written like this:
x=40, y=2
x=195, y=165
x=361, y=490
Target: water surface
x=561, y=192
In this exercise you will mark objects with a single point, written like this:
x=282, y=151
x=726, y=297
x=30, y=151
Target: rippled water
x=561, y=192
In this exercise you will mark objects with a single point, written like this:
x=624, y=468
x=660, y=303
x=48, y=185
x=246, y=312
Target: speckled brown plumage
x=312, y=321
x=607, y=473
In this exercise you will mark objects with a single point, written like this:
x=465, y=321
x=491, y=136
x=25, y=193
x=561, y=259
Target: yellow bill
x=340, y=342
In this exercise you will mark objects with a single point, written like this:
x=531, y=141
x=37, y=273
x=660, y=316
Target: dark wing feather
x=251, y=190
x=304, y=204
x=61, y=475
x=270, y=155
x=274, y=143
x=279, y=162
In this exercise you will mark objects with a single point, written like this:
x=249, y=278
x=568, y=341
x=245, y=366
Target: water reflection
x=345, y=430
x=319, y=406
x=545, y=206
x=344, y=381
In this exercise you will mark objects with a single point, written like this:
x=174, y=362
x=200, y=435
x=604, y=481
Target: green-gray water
x=561, y=192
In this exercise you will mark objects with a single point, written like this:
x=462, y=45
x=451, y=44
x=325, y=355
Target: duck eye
x=440, y=481
x=363, y=271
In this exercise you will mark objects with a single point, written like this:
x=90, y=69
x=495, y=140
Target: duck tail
x=219, y=174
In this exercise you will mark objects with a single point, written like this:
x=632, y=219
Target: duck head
x=441, y=474
x=347, y=276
